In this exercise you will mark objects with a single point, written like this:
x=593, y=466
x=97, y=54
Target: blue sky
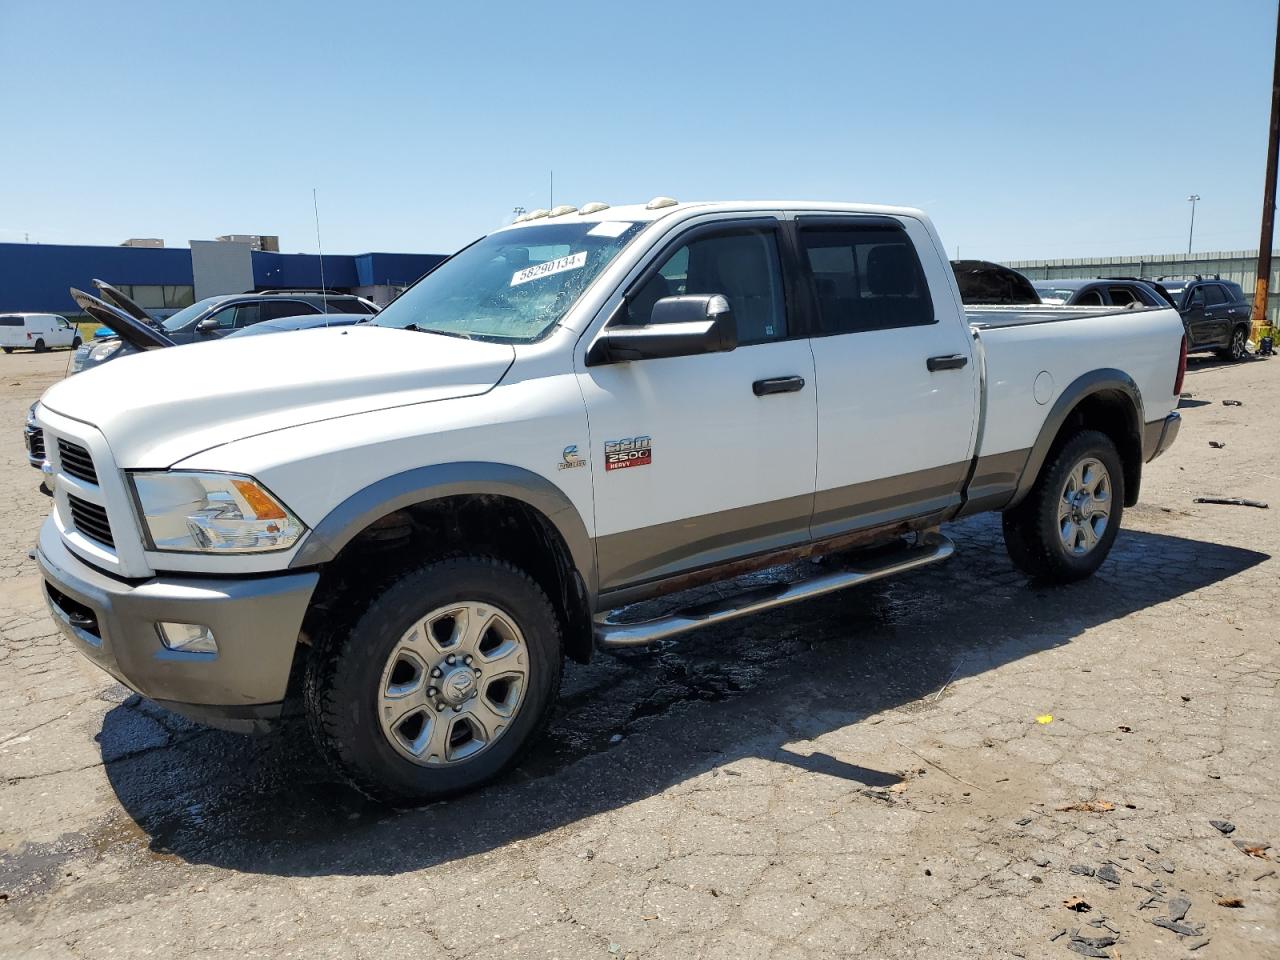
x=1025, y=129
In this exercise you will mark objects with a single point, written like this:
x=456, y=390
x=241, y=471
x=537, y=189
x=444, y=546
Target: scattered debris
x=1080, y=870
x=1217, y=444
x=1253, y=848
x=1084, y=949
x=1233, y=502
x=1197, y=946
x=1040, y=862
x=1078, y=904
x=1224, y=826
x=1123, y=729
x=1263, y=876
x=1233, y=403
x=1024, y=821
x=1088, y=806
x=1108, y=874
x=1182, y=929
x=1178, y=907
x=1044, y=718
x=1060, y=933
x=1232, y=902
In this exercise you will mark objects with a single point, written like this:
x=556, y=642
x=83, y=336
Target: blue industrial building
x=36, y=277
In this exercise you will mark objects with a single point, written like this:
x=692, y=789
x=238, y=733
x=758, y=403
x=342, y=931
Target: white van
x=36, y=331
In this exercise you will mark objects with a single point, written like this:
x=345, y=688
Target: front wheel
x=441, y=685
x=1235, y=350
x=1065, y=527
x=75, y=343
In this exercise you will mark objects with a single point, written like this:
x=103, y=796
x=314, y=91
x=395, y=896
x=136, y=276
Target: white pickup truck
x=411, y=522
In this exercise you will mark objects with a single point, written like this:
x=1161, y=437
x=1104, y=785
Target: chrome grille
x=76, y=461
x=90, y=519
x=35, y=445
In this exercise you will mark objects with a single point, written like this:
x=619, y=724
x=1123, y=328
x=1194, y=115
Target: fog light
x=187, y=637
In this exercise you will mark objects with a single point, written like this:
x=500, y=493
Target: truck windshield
x=512, y=286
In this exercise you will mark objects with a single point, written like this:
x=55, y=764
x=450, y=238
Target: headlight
x=31, y=416
x=103, y=350
x=212, y=513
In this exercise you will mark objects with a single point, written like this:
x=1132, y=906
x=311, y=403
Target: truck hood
x=162, y=406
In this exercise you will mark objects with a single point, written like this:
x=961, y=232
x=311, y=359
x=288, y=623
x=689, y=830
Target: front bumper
x=1158, y=436
x=255, y=621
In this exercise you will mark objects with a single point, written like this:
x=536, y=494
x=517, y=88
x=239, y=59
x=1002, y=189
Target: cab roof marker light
x=657, y=203
x=561, y=210
x=536, y=214
x=595, y=206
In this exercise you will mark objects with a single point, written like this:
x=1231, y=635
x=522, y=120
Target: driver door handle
x=952, y=361
x=762, y=388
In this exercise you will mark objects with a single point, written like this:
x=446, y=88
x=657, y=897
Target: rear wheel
x=1066, y=526
x=8, y=349
x=441, y=685
x=40, y=346
x=1235, y=349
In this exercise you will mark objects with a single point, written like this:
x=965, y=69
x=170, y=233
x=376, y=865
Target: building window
x=159, y=297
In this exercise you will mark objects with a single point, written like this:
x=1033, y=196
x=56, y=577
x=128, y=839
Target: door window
x=1197, y=299
x=1214, y=294
x=1090, y=298
x=865, y=278
x=742, y=265
x=276, y=309
x=1122, y=296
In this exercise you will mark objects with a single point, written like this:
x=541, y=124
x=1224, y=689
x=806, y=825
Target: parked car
x=36, y=331
x=215, y=317
x=1099, y=292
x=1216, y=313
x=983, y=283
x=418, y=517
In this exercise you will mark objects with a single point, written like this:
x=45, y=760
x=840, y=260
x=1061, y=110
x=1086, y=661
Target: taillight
x=1182, y=367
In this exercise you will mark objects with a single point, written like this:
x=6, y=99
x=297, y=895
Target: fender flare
x=421, y=484
x=1081, y=388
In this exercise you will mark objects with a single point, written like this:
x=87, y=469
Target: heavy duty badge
x=631, y=452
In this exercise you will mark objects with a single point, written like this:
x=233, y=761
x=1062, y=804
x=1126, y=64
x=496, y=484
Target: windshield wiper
x=444, y=333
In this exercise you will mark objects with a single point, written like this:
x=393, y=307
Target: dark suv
x=1100, y=292
x=1214, y=311
x=216, y=317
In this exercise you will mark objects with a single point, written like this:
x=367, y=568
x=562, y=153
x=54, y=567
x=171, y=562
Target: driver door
x=702, y=459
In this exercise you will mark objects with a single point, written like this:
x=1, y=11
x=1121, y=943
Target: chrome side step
x=611, y=634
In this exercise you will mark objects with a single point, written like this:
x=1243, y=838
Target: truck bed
x=992, y=317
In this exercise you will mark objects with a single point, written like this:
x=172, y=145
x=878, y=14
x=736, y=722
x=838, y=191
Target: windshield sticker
x=609, y=228
x=574, y=261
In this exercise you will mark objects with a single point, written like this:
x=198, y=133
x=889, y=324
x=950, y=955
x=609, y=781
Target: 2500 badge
x=631, y=452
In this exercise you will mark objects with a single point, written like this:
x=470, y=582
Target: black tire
x=8, y=349
x=1031, y=529
x=40, y=346
x=75, y=343
x=345, y=672
x=1235, y=350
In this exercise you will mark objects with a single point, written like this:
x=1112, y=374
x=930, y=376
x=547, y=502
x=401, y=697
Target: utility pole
x=1258, y=318
x=1193, y=198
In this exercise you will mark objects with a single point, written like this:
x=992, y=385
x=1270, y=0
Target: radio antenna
x=324, y=290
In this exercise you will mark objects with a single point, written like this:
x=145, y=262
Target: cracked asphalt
x=865, y=775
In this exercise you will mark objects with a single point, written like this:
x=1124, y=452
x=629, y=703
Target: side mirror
x=208, y=325
x=677, y=327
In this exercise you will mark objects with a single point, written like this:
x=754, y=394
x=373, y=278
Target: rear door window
x=1122, y=296
x=864, y=277
x=10, y=321
x=1090, y=298
x=276, y=309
